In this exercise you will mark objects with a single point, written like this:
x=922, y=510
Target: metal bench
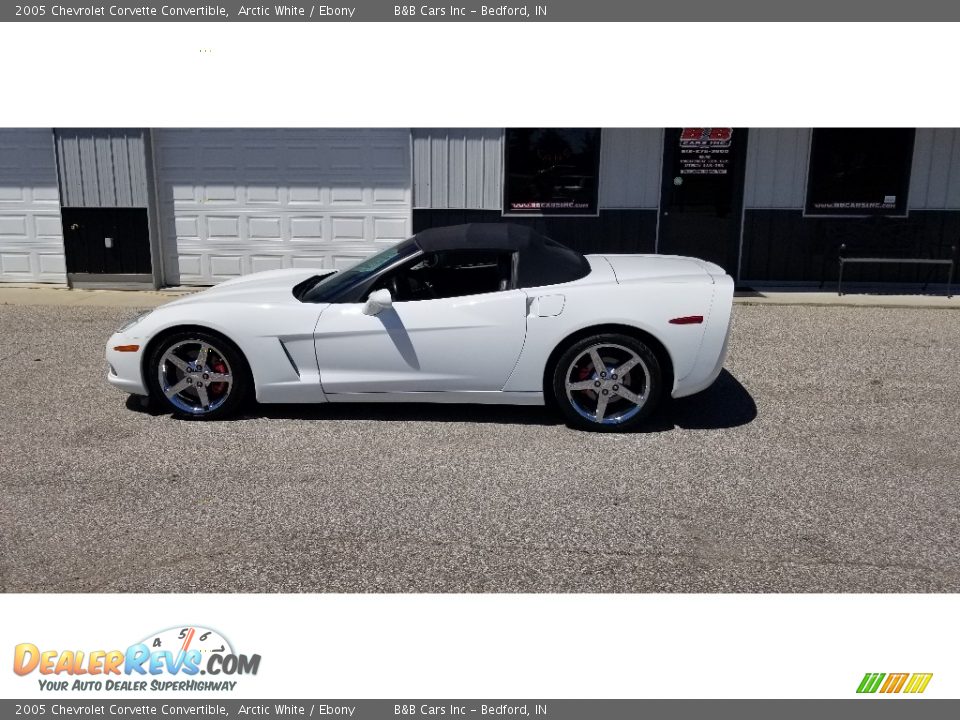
x=951, y=263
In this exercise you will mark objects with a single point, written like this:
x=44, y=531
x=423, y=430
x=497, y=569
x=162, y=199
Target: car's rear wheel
x=607, y=382
x=198, y=375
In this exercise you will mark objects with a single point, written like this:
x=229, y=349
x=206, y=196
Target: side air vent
x=289, y=357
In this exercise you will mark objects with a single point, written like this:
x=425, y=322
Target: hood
x=659, y=267
x=268, y=286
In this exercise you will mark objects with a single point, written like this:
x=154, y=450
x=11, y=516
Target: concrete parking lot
x=824, y=459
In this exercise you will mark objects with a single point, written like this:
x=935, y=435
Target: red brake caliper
x=218, y=366
x=584, y=373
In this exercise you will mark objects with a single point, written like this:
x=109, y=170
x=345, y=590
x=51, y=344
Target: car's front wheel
x=198, y=375
x=607, y=382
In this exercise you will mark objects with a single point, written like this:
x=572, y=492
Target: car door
x=448, y=344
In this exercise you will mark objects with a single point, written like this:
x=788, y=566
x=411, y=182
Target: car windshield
x=331, y=286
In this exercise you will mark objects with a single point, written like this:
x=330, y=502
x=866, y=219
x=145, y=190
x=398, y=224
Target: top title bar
x=467, y=11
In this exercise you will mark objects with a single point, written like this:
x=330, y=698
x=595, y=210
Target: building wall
x=777, y=160
x=103, y=167
x=459, y=168
x=458, y=178
x=630, y=163
x=462, y=168
x=776, y=168
x=106, y=186
x=935, y=177
x=237, y=201
x=782, y=245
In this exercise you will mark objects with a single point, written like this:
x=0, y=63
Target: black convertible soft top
x=540, y=260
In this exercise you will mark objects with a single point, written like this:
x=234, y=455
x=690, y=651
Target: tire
x=211, y=391
x=607, y=401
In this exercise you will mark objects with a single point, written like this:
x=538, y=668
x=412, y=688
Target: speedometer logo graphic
x=183, y=639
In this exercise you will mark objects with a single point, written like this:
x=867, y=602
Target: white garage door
x=239, y=201
x=31, y=236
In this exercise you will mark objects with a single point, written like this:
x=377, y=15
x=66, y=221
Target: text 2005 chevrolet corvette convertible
x=480, y=313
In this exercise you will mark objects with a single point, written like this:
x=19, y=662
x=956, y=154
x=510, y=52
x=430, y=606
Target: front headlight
x=126, y=326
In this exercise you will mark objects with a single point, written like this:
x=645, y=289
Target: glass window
x=333, y=286
x=551, y=171
x=449, y=273
x=859, y=171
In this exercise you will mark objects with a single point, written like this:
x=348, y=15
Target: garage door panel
x=307, y=228
x=307, y=197
x=390, y=229
x=48, y=227
x=52, y=263
x=348, y=229
x=223, y=267
x=264, y=228
x=221, y=227
x=219, y=193
x=191, y=265
x=304, y=195
x=15, y=263
x=31, y=234
x=13, y=226
x=384, y=195
x=259, y=263
x=308, y=261
x=263, y=194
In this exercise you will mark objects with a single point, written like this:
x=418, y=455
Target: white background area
x=520, y=646
x=479, y=74
x=498, y=74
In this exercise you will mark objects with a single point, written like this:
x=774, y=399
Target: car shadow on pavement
x=725, y=404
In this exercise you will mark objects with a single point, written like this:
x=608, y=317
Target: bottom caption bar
x=554, y=709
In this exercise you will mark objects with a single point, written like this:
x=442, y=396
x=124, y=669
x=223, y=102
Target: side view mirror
x=377, y=302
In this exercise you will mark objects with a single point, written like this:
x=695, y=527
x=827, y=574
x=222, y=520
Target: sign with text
x=551, y=171
x=705, y=151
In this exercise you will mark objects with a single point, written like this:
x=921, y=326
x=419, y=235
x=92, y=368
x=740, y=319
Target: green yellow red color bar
x=894, y=682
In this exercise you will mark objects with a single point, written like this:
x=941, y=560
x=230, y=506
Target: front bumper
x=125, y=368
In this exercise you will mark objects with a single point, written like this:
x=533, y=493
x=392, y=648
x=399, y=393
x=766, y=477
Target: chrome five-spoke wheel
x=195, y=376
x=198, y=375
x=607, y=382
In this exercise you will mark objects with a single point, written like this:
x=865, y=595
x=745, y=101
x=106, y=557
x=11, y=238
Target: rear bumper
x=124, y=368
x=691, y=386
x=715, y=342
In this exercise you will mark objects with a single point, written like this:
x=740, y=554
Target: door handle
x=74, y=227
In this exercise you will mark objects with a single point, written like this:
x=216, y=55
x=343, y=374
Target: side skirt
x=486, y=397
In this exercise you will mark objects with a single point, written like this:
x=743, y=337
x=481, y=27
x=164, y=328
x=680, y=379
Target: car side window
x=450, y=273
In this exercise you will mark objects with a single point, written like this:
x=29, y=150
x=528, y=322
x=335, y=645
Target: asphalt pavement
x=825, y=459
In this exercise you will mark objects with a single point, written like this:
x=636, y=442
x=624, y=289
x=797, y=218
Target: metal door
x=701, y=203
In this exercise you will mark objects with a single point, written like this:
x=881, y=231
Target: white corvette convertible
x=480, y=313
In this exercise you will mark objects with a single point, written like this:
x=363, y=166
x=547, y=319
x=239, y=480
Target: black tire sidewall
x=574, y=418
x=238, y=365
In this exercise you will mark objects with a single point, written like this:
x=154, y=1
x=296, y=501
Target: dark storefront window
x=552, y=171
x=859, y=171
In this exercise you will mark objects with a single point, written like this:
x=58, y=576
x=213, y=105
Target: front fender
x=276, y=340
